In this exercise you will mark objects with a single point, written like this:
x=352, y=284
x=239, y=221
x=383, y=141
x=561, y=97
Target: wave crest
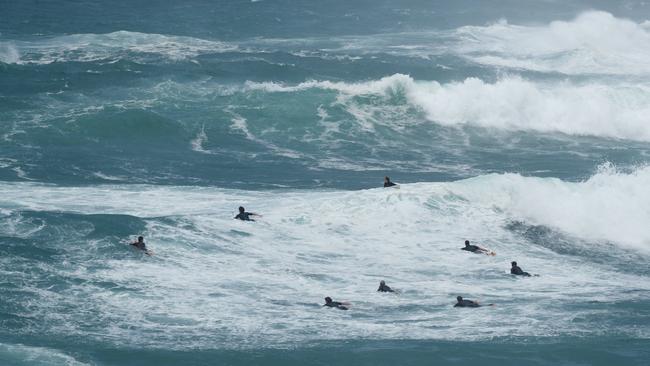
x=593, y=42
x=511, y=103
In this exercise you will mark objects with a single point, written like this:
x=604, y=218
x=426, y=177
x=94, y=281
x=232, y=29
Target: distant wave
x=593, y=42
x=109, y=47
x=511, y=103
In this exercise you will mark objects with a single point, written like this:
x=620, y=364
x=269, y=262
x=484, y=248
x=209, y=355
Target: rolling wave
x=511, y=103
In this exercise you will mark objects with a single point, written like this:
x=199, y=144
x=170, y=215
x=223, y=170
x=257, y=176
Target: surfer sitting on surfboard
x=245, y=216
x=335, y=304
x=516, y=270
x=388, y=183
x=383, y=287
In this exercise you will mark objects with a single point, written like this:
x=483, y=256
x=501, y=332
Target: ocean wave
x=609, y=206
x=595, y=42
x=110, y=47
x=511, y=103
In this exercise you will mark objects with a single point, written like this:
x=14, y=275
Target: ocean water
x=523, y=126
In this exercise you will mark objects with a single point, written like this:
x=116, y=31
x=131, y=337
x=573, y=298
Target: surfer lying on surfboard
x=467, y=303
x=336, y=304
x=245, y=216
x=476, y=249
x=516, y=270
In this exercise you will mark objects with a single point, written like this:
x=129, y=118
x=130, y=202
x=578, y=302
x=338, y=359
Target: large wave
x=511, y=103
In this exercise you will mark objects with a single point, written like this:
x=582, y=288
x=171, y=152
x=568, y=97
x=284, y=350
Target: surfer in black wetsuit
x=388, y=183
x=245, y=216
x=383, y=287
x=335, y=304
x=516, y=270
x=466, y=303
x=140, y=244
x=474, y=248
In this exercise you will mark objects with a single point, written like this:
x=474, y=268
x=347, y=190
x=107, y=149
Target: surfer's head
x=140, y=239
x=514, y=263
x=466, y=243
x=382, y=282
x=241, y=209
x=328, y=300
x=459, y=298
x=386, y=179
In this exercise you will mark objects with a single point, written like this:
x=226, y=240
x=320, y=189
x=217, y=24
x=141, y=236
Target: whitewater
x=523, y=129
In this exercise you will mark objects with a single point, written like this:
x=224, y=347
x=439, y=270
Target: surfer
x=516, y=270
x=387, y=182
x=467, y=303
x=474, y=248
x=383, y=287
x=245, y=216
x=335, y=304
x=141, y=245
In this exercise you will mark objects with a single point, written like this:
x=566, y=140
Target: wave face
x=522, y=128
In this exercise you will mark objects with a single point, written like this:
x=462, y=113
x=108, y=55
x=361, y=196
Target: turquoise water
x=521, y=126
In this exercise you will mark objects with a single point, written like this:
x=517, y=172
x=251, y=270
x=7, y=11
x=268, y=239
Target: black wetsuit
x=389, y=184
x=245, y=216
x=472, y=248
x=516, y=270
x=139, y=245
x=466, y=304
x=385, y=288
x=336, y=304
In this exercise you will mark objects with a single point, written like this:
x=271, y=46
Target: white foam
x=215, y=280
x=200, y=139
x=9, y=53
x=511, y=103
x=608, y=207
x=111, y=47
x=20, y=354
x=593, y=42
x=239, y=123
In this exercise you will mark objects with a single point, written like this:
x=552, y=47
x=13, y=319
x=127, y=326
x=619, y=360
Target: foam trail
x=9, y=53
x=511, y=103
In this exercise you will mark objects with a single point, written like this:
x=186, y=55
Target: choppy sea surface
x=523, y=126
